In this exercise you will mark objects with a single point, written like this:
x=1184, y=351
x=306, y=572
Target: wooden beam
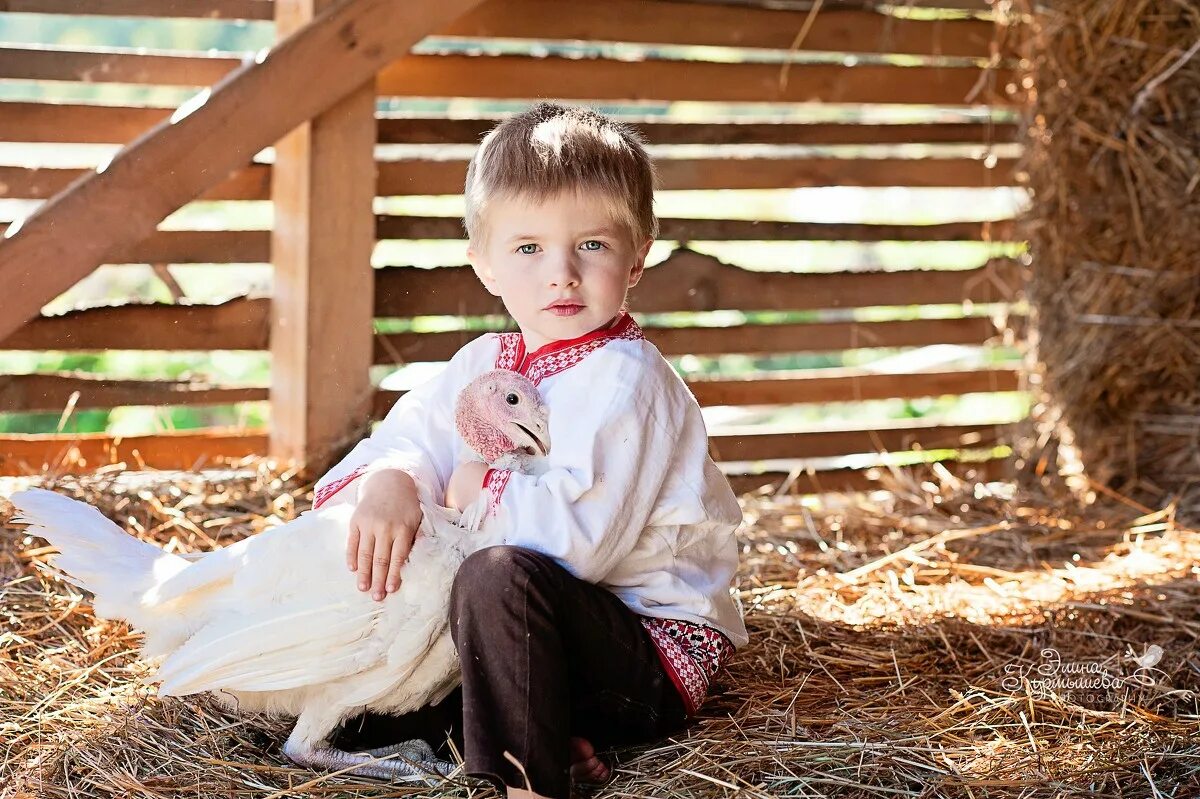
x=753, y=445
x=323, y=185
x=845, y=30
x=848, y=385
x=520, y=77
x=418, y=176
x=736, y=172
x=52, y=392
x=238, y=324
x=253, y=246
x=972, y=6
x=523, y=77
x=114, y=65
x=175, y=162
x=397, y=348
x=823, y=385
x=849, y=30
x=868, y=479
x=112, y=124
x=674, y=229
x=691, y=281
x=195, y=9
x=85, y=452
x=65, y=454
x=432, y=130
x=835, y=29
x=40, y=183
x=243, y=324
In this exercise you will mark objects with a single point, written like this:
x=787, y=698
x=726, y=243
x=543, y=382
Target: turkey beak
x=535, y=433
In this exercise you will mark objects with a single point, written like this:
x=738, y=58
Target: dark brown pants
x=545, y=656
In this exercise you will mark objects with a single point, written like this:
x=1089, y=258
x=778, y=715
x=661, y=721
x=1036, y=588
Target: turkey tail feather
x=96, y=554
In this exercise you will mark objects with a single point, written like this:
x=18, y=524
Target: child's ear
x=639, y=265
x=483, y=271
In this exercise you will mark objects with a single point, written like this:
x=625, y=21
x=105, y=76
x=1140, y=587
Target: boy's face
x=561, y=267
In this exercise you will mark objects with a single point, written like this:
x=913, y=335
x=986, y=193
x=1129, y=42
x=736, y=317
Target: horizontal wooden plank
x=62, y=454
x=253, y=246
x=113, y=66
x=848, y=385
x=41, y=183
x=518, y=77
x=691, y=281
x=72, y=454
x=432, y=130
x=974, y=6
x=849, y=30
x=243, y=324
x=674, y=229
x=891, y=437
x=62, y=123
x=52, y=392
x=105, y=124
x=404, y=178
x=239, y=324
x=194, y=9
x=822, y=385
x=750, y=339
x=868, y=479
x=182, y=450
x=521, y=77
x=446, y=177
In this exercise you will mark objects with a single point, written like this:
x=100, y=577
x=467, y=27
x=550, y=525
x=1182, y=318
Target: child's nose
x=564, y=272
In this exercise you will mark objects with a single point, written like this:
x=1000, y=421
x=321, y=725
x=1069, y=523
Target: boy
x=606, y=612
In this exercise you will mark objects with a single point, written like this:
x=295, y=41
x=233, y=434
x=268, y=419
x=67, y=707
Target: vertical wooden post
x=323, y=185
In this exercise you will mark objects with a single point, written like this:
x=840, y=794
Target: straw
x=896, y=642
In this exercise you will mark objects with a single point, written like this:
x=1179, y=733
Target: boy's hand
x=466, y=484
x=382, y=530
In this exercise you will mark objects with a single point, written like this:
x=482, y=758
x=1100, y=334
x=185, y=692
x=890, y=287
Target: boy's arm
x=607, y=468
x=417, y=437
x=404, y=462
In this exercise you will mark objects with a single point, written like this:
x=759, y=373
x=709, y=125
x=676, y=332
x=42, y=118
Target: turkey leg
x=413, y=761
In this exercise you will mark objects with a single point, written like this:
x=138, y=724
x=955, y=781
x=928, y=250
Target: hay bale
x=1114, y=232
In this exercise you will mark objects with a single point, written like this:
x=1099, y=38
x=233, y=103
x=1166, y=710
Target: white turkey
x=274, y=623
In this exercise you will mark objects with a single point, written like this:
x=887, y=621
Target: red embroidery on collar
x=557, y=356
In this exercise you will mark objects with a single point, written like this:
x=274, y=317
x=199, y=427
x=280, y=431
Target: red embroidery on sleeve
x=495, y=486
x=326, y=492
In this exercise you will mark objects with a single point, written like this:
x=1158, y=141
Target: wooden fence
x=934, y=65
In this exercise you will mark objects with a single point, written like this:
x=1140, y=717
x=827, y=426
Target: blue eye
x=594, y=249
x=524, y=251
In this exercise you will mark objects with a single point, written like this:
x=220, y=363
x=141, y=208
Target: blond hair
x=552, y=148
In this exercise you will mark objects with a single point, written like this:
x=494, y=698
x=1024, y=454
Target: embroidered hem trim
x=691, y=654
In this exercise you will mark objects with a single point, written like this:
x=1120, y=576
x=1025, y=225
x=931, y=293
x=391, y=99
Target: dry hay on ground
x=952, y=641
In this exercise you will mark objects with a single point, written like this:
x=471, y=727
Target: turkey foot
x=413, y=761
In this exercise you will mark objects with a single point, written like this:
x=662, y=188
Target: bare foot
x=585, y=766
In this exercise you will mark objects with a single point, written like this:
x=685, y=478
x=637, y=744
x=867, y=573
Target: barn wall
x=731, y=97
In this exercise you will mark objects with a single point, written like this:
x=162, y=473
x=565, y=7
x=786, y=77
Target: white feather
x=274, y=622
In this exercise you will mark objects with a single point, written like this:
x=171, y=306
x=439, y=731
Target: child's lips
x=565, y=309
